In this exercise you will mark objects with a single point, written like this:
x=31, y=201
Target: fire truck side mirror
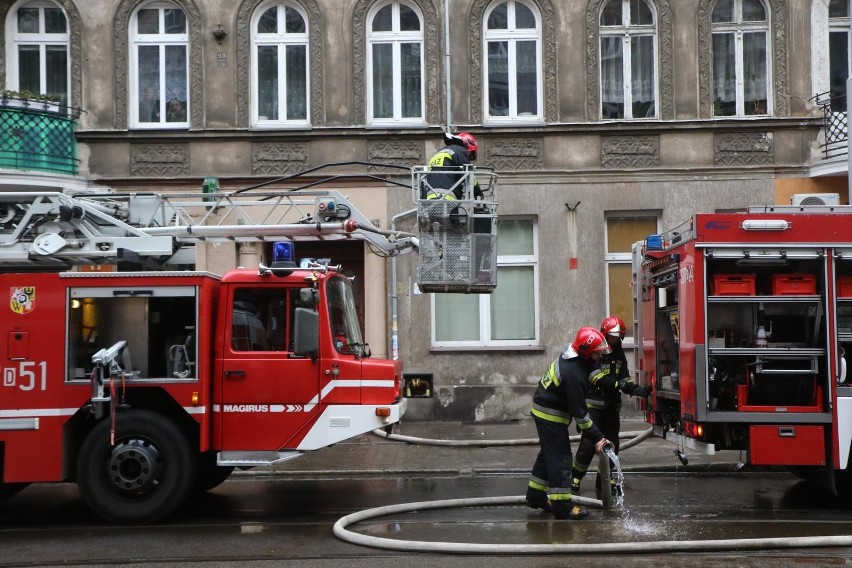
x=306, y=334
x=308, y=297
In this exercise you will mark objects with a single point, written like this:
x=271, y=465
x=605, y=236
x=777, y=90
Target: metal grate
x=35, y=140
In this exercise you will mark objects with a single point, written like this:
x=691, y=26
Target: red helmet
x=614, y=326
x=469, y=144
x=588, y=341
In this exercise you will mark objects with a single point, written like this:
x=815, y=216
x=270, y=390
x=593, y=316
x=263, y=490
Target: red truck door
x=265, y=388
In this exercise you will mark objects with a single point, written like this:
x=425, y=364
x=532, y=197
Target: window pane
x=515, y=237
x=382, y=80
x=642, y=77
x=54, y=21
x=640, y=13
x=411, y=88
x=148, y=21
x=176, y=83
x=149, y=83
x=753, y=11
x=294, y=22
x=57, y=71
x=724, y=76
x=498, y=19
x=28, y=20
x=28, y=69
x=175, y=21
x=620, y=294
x=457, y=317
x=612, y=77
x=408, y=20
x=622, y=232
x=268, y=22
x=754, y=67
x=383, y=20
x=611, y=14
x=723, y=11
x=498, y=76
x=527, y=85
x=524, y=17
x=513, y=304
x=267, y=82
x=838, y=8
x=297, y=92
x=838, y=49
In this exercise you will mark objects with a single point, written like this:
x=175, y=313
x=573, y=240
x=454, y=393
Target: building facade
x=606, y=120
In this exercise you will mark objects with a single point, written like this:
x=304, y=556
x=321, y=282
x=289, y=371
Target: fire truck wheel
x=142, y=478
x=210, y=475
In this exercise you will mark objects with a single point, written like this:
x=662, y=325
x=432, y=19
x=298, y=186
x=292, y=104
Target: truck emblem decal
x=717, y=225
x=22, y=300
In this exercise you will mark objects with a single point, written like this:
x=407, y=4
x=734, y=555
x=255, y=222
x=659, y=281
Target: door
x=265, y=388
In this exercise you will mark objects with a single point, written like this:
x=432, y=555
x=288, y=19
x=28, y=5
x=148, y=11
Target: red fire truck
x=145, y=386
x=742, y=321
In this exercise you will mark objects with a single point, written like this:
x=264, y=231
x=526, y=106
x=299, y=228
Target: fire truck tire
x=209, y=475
x=144, y=477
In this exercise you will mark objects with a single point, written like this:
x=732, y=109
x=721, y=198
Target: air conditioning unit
x=815, y=199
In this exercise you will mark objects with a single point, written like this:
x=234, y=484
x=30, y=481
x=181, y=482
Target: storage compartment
x=844, y=286
x=793, y=285
x=733, y=285
x=786, y=445
x=780, y=393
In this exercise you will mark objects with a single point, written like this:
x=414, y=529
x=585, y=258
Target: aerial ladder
x=456, y=238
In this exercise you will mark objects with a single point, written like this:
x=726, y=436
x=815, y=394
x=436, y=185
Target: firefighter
x=558, y=399
x=603, y=398
x=446, y=168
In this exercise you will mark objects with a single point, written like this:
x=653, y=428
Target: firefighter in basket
x=603, y=399
x=558, y=400
x=446, y=169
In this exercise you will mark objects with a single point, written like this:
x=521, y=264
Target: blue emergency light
x=283, y=254
x=654, y=242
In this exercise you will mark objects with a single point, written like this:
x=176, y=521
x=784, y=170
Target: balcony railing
x=37, y=135
x=834, y=123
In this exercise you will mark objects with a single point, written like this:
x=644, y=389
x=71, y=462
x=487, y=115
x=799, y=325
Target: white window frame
x=396, y=38
x=622, y=257
x=485, y=340
x=627, y=31
x=42, y=39
x=512, y=36
x=282, y=41
x=738, y=28
x=161, y=40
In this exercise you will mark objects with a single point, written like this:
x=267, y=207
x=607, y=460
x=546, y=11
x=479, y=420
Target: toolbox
x=733, y=285
x=772, y=444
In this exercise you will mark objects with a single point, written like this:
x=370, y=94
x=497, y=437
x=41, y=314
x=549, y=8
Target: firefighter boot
x=568, y=510
x=538, y=500
x=575, y=485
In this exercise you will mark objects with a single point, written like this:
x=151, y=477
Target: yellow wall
x=786, y=187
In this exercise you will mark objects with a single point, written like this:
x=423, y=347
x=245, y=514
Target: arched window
x=37, y=50
x=159, y=57
x=512, y=47
x=839, y=21
x=628, y=52
x=394, y=64
x=741, y=72
x=280, y=66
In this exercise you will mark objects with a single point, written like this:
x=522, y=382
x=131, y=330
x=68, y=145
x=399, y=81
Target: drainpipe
x=449, y=94
x=394, y=310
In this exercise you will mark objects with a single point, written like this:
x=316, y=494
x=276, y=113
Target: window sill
x=489, y=348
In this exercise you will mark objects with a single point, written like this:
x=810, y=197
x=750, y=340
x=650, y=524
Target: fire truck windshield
x=345, y=329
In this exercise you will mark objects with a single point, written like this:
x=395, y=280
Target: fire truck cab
x=742, y=322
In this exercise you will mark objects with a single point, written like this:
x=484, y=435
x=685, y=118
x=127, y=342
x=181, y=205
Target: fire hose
x=341, y=526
